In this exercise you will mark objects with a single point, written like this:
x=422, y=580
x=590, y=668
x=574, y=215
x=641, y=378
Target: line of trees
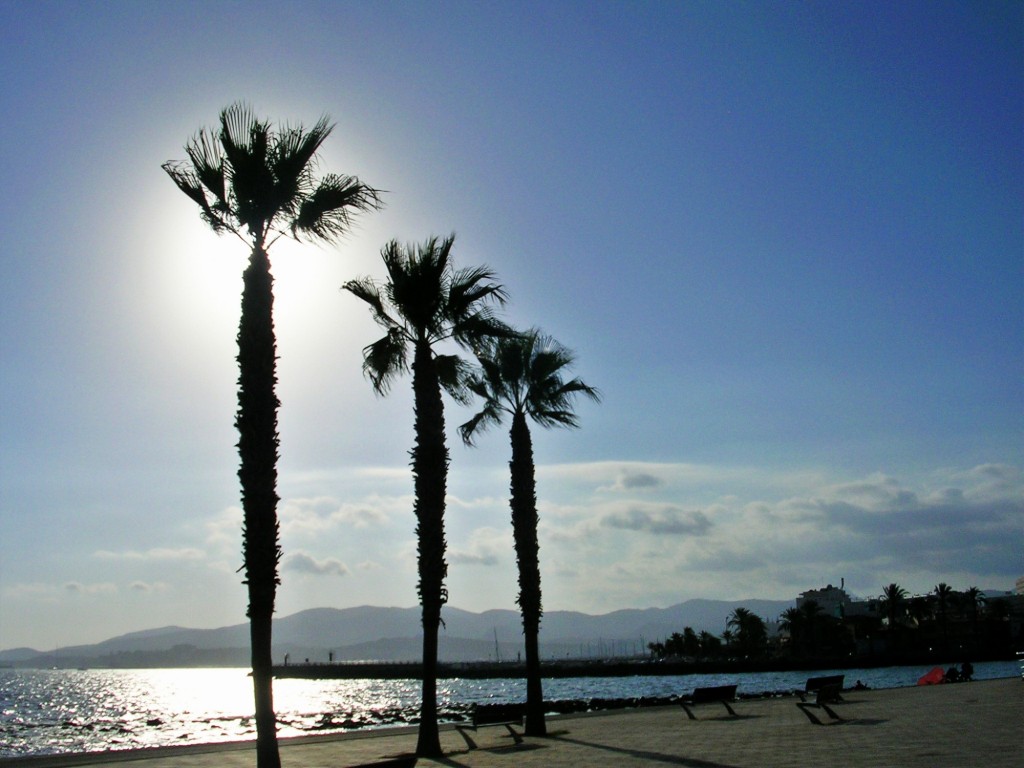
x=945, y=621
x=892, y=626
x=257, y=182
x=745, y=637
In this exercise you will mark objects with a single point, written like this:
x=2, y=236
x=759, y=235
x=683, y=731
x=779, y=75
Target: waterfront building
x=833, y=601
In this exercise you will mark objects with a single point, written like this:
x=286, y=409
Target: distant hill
x=369, y=632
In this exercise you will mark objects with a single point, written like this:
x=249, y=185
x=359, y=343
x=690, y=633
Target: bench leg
x=689, y=712
x=462, y=732
x=729, y=708
x=518, y=739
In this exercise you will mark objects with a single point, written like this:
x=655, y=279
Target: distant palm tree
x=257, y=183
x=709, y=644
x=944, y=596
x=423, y=303
x=728, y=636
x=751, y=633
x=793, y=621
x=892, y=599
x=973, y=599
x=813, y=618
x=892, y=602
x=522, y=376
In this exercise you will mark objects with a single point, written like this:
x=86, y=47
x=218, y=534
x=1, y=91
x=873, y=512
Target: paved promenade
x=955, y=726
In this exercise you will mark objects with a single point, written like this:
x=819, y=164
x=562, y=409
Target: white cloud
x=78, y=588
x=157, y=553
x=325, y=513
x=300, y=562
x=659, y=520
x=147, y=587
x=486, y=546
x=665, y=544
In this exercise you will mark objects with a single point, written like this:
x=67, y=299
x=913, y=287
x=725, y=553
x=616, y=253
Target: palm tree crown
x=892, y=599
x=258, y=182
x=424, y=301
x=523, y=375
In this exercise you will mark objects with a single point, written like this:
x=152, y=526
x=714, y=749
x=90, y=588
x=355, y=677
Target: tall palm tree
x=523, y=377
x=257, y=182
x=424, y=302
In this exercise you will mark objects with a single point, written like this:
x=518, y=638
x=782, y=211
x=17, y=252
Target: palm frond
x=490, y=415
x=385, y=360
x=472, y=329
x=368, y=290
x=188, y=182
x=472, y=286
x=208, y=163
x=417, y=276
x=292, y=156
x=246, y=141
x=453, y=373
x=327, y=211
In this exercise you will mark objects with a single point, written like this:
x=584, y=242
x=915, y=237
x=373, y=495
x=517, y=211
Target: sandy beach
x=968, y=724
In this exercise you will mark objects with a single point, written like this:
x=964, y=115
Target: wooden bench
x=825, y=695
x=494, y=714
x=719, y=693
x=815, y=684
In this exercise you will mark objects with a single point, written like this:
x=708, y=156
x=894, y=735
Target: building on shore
x=833, y=601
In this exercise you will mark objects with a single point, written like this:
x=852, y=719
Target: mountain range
x=393, y=634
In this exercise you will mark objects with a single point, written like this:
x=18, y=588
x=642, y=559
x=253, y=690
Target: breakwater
x=578, y=668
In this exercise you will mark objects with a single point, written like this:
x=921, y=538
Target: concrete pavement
x=967, y=724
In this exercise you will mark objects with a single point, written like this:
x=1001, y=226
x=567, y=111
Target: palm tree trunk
x=430, y=474
x=256, y=421
x=524, y=530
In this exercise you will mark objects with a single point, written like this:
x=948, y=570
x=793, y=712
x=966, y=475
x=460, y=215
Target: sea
x=46, y=712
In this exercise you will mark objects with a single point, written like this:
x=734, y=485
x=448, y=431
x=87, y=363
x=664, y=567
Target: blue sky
x=786, y=241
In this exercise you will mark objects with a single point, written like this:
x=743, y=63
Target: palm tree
x=257, y=183
x=751, y=633
x=893, y=597
x=944, y=595
x=892, y=600
x=709, y=644
x=522, y=376
x=728, y=636
x=973, y=599
x=425, y=301
x=813, y=619
x=793, y=621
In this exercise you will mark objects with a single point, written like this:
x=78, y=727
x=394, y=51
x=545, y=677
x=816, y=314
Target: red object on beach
x=933, y=677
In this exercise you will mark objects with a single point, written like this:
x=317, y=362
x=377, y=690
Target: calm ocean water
x=70, y=711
